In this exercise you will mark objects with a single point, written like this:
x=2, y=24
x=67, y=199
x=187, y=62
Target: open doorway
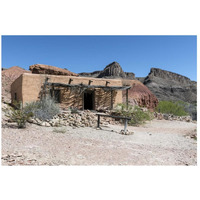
x=89, y=100
x=55, y=94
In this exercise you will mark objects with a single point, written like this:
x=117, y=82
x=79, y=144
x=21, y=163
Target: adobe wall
x=32, y=85
x=16, y=87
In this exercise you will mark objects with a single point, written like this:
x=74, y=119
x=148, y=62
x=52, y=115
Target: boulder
x=47, y=69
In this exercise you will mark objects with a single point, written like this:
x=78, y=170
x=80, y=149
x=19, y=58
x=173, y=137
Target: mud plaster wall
x=17, y=88
x=32, y=85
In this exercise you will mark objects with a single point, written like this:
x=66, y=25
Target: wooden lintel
x=90, y=86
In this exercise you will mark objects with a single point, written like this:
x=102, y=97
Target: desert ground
x=158, y=142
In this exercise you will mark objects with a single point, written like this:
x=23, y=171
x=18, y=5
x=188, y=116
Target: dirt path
x=155, y=143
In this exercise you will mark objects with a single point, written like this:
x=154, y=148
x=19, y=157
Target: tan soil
x=155, y=143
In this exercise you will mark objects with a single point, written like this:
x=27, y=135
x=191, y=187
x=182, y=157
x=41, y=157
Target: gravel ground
x=159, y=142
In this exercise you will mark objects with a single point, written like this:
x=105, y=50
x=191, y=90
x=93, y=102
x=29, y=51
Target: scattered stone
x=127, y=132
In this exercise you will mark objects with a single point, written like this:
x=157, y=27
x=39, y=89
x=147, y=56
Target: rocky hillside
x=111, y=71
x=140, y=95
x=7, y=77
x=170, y=86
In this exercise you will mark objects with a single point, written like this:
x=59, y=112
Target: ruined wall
x=32, y=86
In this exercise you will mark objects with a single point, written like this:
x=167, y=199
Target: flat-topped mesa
x=156, y=72
x=47, y=69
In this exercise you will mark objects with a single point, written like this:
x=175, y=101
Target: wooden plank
x=117, y=117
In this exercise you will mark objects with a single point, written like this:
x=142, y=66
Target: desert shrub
x=44, y=109
x=137, y=115
x=74, y=110
x=190, y=108
x=19, y=116
x=169, y=107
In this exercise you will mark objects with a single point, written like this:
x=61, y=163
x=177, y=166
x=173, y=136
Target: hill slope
x=7, y=77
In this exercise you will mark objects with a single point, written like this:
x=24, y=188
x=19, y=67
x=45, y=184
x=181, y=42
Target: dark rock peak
x=113, y=69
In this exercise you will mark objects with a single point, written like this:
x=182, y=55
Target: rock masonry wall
x=170, y=117
x=75, y=119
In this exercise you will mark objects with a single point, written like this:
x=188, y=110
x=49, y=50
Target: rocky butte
x=113, y=70
x=170, y=86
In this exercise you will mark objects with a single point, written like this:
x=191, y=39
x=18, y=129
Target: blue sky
x=135, y=54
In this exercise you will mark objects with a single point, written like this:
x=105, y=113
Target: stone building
x=69, y=91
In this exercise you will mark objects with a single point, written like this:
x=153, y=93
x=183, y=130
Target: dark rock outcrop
x=170, y=86
x=47, y=69
x=111, y=71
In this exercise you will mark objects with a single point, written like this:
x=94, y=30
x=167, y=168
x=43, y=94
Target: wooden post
x=107, y=82
x=83, y=100
x=90, y=81
x=125, y=125
x=111, y=99
x=98, y=122
x=127, y=99
x=45, y=86
x=70, y=80
x=53, y=92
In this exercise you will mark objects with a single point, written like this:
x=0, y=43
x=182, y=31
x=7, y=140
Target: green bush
x=19, y=116
x=169, y=107
x=137, y=115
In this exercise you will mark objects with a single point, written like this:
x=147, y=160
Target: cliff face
x=111, y=71
x=171, y=86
